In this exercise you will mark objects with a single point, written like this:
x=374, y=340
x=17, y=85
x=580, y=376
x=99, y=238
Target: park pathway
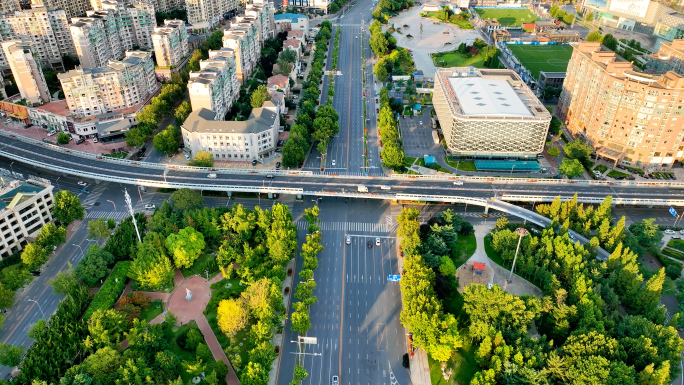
x=215, y=347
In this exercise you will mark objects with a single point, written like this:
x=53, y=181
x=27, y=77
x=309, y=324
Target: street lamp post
x=41, y=309
x=512, y=169
x=112, y=202
x=12, y=168
x=127, y=198
x=522, y=232
x=57, y=181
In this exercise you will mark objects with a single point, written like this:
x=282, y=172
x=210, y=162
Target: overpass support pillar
x=270, y=195
x=486, y=208
x=299, y=197
x=230, y=194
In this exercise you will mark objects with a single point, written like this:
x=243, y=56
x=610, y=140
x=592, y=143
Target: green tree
x=610, y=42
x=589, y=17
x=379, y=44
x=577, y=149
x=299, y=373
x=34, y=256
x=168, y=140
x=65, y=282
x=392, y=156
x=232, y=315
x=259, y=96
x=447, y=267
x=6, y=297
x=571, y=168
x=380, y=70
x=182, y=112
x=94, y=266
x=135, y=137
x=152, y=268
x=99, y=228
x=63, y=138
x=67, y=208
x=106, y=327
x=186, y=246
x=10, y=355
x=51, y=235
x=186, y=199
x=202, y=159
x=103, y=364
x=553, y=151
x=594, y=36
x=37, y=329
x=647, y=233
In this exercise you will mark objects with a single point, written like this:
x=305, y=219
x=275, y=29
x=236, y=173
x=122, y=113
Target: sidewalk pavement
x=215, y=347
x=420, y=368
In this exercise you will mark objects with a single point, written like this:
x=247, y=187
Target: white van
x=211, y=176
x=385, y=187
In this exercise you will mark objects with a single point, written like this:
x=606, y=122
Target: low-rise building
x=627, y=116
x=292, y=22
x=294, y=45
x=279, y=83
x=118, y=85
x=27, y=73
x=24, y=210
x=489, y=113
x=252, y=139
x=215, y=86
x=562, y=36
x=550, y=79
x=546, y=26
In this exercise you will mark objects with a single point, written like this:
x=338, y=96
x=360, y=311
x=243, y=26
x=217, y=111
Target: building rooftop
x=289, y=16
x=261, y=119
x=14, y=192
x=278, y=80
x=481, y=96
x=295, y=34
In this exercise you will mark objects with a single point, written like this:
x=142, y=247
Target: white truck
x=363, y=188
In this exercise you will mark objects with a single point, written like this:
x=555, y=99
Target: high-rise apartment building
x=265, y=15
x=47, y=29
x=243, y=38
x=7, y=6
x=26, y=71
x=72, y=8
x=215, y=86
x=118, y=85
x=107, y=33
x=207, y=13
x=628, y=117
x=489, y=113
x=170, y=43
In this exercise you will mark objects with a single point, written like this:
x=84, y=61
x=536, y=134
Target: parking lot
x=416, y=134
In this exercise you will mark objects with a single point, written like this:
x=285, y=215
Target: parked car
x=51, y=133
x=369, y=244
x=669, y=231
x=150, y=207
x=8, y=121
x=277, y=165
x=82, y=183
x=95, y=140
x=80, y=141
x=681, y=232
x=348, y=240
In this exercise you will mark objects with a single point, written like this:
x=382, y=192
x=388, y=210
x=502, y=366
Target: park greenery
x=305, y=129
x=83, y=342
x=387, y=8
x=562, y=15
x=392, y=60
x=392, y=153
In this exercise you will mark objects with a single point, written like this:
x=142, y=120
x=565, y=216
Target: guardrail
x=157, y=166
x=616, y=200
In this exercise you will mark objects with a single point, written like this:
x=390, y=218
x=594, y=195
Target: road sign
x=673, y=211
x=394, y=278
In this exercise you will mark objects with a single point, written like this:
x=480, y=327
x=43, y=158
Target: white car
x=458, y=183
x=8, y=121
x=669, y=232
x=95, y=140
x=51, y=133
x=377, y=241
x=82, y=183
x=335, y=380
x=348, y=240
x=681, y=232
x=333, y=163
x=150, y=207
x=384, y=187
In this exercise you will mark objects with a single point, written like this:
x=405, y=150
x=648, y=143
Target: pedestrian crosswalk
x=116, y=215
x=95, y=193
x=351, y=226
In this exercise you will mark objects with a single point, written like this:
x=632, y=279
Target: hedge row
x=110, y=291
x=674, y=254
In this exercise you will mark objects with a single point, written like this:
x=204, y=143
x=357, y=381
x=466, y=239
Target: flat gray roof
x=483, y=96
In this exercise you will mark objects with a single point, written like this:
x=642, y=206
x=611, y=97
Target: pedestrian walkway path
x=215, y=347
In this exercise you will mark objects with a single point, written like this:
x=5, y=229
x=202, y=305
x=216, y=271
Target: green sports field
x=536, y=58
x=507, y=17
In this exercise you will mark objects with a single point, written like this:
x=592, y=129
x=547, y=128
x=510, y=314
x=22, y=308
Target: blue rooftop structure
x=289, y=16
x=507, y=165
x=429, y=160
x=417, y=107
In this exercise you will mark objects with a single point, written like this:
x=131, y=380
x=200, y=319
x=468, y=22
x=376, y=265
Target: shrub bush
x=111, y=289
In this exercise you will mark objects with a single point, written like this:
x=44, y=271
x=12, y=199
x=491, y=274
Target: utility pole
x=130, y=209
x=522, y=232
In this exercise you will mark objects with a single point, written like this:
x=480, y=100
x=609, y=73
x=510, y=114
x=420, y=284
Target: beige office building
x=27, y=73
x=118, y=85
x=48, y=30
x=489, y=113
x=627, y=116
x=254, y=138
x=24, y=210
x=170, y=43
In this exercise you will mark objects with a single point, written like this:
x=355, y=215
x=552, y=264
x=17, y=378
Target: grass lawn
x=463, y=165
x=421, y=163
x=676, y=244
x=408, y=161
x=454, y=19
x=463, y=249
x=507, y=17
x=156, y=308
x=200, y=265
x=615, y=174
x=462, y=362
x=601, y=168
x=457, y=59
x=493, y=255
x=536, y=58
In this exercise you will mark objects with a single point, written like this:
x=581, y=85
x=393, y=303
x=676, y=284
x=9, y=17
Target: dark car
x=277, y=165
x=80, y=141
x=369, y=244
x=85, y=190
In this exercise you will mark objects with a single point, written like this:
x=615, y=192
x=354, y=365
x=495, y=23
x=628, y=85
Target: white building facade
x=170, y=43
x=26, y=71
x=243, y=39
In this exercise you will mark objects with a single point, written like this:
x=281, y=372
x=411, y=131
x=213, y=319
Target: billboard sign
x=634, y=8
